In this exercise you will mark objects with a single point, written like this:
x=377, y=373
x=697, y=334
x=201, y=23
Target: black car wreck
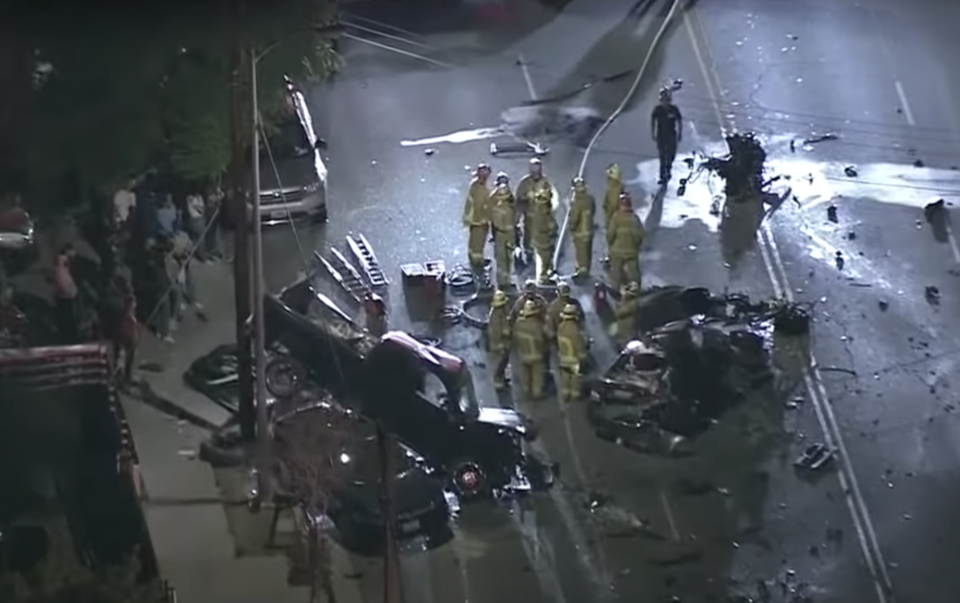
x=700, y=356
x=420, y=393
x=421, y=507
x=421, y=503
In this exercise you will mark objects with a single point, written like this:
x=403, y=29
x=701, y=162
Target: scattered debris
x=429, y=152
x=918, y=163
x=839, y=260
x=515, y=148
x=793, y=146
x=850, y=171
x=935, y=210
x=932, y=294
x=884, y=306
x=821, y=138
x=795, y=403
x=851, y=236
x=832, y=213
x=814, y=457
x=835, y=536
x=836, y=369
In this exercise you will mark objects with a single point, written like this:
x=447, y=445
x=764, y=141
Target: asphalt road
x=790, y=73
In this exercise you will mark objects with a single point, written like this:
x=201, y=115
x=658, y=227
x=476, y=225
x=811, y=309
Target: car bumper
x=364, y=535
x=311, y=207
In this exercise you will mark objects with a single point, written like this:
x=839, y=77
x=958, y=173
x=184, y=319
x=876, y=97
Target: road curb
x=170, y=408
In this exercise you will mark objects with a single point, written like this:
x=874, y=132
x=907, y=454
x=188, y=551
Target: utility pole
x=260, y=339
x=239, y=191
x=391, y=556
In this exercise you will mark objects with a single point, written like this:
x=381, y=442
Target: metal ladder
x=363, y=252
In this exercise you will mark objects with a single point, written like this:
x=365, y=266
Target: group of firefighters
x=522, y=222
x=533, y=328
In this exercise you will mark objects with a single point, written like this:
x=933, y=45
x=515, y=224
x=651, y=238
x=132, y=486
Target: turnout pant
x=531, y=375
x=624, y=270
x=569, y=385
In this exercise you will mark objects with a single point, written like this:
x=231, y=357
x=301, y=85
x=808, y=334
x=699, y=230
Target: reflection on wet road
x=735, y=518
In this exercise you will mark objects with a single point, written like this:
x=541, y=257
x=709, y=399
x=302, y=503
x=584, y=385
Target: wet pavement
x=884, y=353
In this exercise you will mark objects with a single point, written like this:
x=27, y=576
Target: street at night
x=881, y=353
x=848, y=231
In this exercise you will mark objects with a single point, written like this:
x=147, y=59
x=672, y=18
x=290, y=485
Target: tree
x=107, y=106
x=308, y=447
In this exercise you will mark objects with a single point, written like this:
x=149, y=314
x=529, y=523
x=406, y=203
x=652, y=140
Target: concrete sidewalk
x=209, y=545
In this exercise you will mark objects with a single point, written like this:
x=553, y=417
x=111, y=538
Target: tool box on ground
x=430, y=277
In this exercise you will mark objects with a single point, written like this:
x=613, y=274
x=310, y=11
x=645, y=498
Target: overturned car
x=700, y=355
x=422, y=394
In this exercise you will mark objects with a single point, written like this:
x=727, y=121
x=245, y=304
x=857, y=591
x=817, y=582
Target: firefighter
x=476, y=217
x=611, y=197
x=530, y=343
x=530, y=293
x=498, y=338
x=627, y=314
x=555, y=308
x=544, y=231
x=624, y=238
x=582, y=208
x=526, y=189
x=666, y=128
x=571, y=348
x=503, y=221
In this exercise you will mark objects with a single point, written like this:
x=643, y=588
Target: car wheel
x=468, y=478
x=284, y=377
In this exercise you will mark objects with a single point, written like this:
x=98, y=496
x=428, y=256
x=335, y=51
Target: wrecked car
x=421, y=507
x=676, y=380
x=422, y=394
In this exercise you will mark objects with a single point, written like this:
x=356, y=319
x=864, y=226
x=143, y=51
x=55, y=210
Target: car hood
x=294, y=174
x=503, y=417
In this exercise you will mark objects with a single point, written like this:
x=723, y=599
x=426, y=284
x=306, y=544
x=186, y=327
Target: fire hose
x=565, y=226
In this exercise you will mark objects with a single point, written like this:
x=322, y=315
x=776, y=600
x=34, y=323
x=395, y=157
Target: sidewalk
x=208, y=544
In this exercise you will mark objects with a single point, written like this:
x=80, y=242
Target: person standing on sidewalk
x=157, y=288
x=121, y=327
x=66, y=295
x=212, y=201
x=197, y=224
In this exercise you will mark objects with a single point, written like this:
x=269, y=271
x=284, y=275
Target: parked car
x=421, y=507
x=18, y=245
x=419, y=392
x=293, y=175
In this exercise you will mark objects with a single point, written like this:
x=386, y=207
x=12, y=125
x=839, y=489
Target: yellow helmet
x=613, y=171
x=631, y=289
x=499, y=299
x=502, y=178
x=563, y=289
x=569, y=312
x=530, y=286
x=529, y=308
x=482, y=169
x=579, y=185
x=626, y=201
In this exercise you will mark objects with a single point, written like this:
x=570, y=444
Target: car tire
x=468, y=479
x=284, y=377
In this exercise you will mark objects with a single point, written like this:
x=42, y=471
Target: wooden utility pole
x=240, y=217
x=391, y=555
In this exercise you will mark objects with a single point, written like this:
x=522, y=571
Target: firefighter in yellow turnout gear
x=544, y=231
x=530, y=293
x=503, y=221
x=625, y=235
x=582, y=209
x=476, y=217
x=498, y=338
x=555, y=309
x=611, y=197
x=526, y=191
x=571, y=348
x=530, y=344
x=627, y=316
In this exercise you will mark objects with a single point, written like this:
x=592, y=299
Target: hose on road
x=565, y=226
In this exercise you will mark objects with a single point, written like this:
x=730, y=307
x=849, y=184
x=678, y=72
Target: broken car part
x=516, y=148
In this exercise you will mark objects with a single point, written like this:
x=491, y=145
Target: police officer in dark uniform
x=666, y=126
